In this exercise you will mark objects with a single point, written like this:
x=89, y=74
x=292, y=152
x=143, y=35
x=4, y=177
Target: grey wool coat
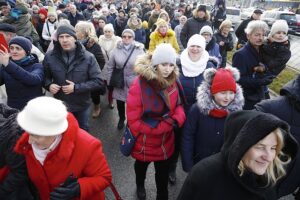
x=117, y=59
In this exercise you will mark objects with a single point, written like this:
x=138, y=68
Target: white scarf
x=41, y=154
x=191, y=68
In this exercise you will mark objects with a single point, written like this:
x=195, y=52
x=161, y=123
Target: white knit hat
x=164, y=53
x=279, y=25
x=206, y=29
x=44, y=116
x=197, y=40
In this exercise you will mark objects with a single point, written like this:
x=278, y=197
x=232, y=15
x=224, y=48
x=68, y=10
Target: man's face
x=5, y=10
x=7, y=35
x=256, y=38
x=73, y=10
x=67, y=42
x=256, y=16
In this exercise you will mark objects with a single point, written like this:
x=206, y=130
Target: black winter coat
x=217, y=177
x=287, y=108
x=15, y=184
x=95, y=49
x=275, y=55
x=228, y=46
x=191, y=27
x=240, y=31
x=84, y=71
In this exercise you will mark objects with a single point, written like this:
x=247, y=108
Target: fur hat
x=66, y=29
x=201, y=8
x=222, y=79
x=279, y=25
x=44, y=116
x=164, y=53
x=131, y=32
x=197, y=40
x=206, y=29
x=22, y=42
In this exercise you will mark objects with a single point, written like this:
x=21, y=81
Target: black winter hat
x=201, y=8
x=61, y=6
x=66, y=29
x=22, y=42
x=7, y=28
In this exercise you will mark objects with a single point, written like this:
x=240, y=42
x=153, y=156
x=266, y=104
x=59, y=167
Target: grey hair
x=255, y=25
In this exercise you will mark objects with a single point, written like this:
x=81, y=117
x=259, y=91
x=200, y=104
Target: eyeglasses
x=127, y=36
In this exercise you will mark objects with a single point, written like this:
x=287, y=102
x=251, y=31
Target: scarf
x=191, y=68
x=218, y=111
x=41, y=154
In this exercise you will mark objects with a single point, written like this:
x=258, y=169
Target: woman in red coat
x=64, y=162
x=154, y=108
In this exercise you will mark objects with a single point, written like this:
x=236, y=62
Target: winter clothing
x=287, y=108
x=7, y=28
x=93, y=47
x=22, y=42
x=79, y=154
x=228, y=45
x=129, y=31
x=245, y=60
x=107, y=45
x=117, y=58
x=191, y=27
x=48, y=29
x=203, y=131
x=177, y=31
x=243, y=129
x=223, y=81
x=214, y=52
x=218, y=16
x=13, y=172
x=206, y=29
x=279, y=25
x=82, y=69
x=240, y=31
x=120, y=24
x=140, y=34
x=66, y=29
x=156, y=38
x=197, y=40
x=74, y=19
x=163, y=53
x=23, y=81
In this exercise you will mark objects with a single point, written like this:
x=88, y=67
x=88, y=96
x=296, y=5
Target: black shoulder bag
x=117, y=77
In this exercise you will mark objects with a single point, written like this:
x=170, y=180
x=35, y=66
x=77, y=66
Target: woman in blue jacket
x=21, y=73
x=217, y=96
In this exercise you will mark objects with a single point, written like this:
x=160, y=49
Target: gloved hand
x=66, y=191
x=266, y=80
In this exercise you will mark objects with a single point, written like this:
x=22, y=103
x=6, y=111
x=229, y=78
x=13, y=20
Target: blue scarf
x=24, y=61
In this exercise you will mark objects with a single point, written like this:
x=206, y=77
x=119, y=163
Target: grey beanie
x=66, y=29
x=164, y=53
x=131, y=32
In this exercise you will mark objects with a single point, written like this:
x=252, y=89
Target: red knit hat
x=223, y=81
x=44, y=12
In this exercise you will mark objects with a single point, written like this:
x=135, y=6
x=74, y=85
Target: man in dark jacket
x=287, y=108
x=71, y=73
x=240, y=31
x=87, y=13
x=194, y=24
x=246, y=59
x=74, y=16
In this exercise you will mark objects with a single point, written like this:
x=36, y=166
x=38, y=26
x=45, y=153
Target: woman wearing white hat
x=63, y=161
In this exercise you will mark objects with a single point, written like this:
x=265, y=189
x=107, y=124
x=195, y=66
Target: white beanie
x=164, y=53
x=279, y=25
x=109, y=27
x=206, y=29
x=197, y=40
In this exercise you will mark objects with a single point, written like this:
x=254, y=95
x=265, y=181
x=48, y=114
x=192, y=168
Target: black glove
x=266, y=80
x=66, y=191
x=297, y=195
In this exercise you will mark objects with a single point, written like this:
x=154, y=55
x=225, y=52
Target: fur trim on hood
x=144, y=68
x=134, y=27
x=204, y=96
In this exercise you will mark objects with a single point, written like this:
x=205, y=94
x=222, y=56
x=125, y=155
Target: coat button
x=218, y=133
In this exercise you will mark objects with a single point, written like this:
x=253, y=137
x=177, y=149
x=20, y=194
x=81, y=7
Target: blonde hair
x=88, y=29
x=195, y=14
x=276, y=169
x=225, y=24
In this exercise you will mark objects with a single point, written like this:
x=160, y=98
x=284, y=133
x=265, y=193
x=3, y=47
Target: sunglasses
x=127, y=36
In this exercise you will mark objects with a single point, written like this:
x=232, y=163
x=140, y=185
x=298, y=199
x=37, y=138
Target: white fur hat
x=44, y=116
x=164, y=53
x=197, y=40
x=206, y=29
x=279, y=25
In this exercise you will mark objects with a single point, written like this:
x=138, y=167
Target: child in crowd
x=218, y=95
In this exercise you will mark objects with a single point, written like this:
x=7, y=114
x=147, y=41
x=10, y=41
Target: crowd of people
x=166, y=67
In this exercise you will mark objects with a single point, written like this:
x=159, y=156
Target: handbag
x=117, y=77
x=127, y=142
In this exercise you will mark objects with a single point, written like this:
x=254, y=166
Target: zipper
x=143, y=148
x=163, y=147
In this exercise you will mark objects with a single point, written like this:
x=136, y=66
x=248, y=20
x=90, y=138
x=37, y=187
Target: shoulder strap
x=128, y=58
x=115, y=191
x=48, y=29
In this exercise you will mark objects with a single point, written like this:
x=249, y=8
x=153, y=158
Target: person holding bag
x=120, y=72
x=154, y=110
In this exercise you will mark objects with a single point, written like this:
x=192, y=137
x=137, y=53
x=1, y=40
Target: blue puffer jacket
x=23, y=81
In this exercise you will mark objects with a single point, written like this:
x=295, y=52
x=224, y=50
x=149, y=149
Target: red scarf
x=163, y=34
x=218, y=113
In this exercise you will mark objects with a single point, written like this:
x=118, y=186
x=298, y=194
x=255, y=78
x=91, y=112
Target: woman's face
x=207, y=36
x=16, y=52
x=41, y=142
x=42, y=16
x=225, y=31
x=80, y=35
x=52, y=18
x=108, y=34
x=224, y=98
x=165, y=69
x=101, y=23
x=163, y=29
x=261, y=155
x=127, y=38
x=194, y=50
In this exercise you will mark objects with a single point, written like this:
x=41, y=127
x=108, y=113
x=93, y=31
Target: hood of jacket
x=242, y=130
x=134, y=27
x=292, y=91
x=144, y=68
